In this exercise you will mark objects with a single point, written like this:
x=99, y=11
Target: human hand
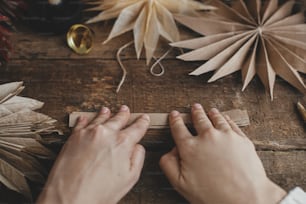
x=219, y=165
x=100, y=162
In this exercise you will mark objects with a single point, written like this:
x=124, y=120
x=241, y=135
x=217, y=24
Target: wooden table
x=68, y=82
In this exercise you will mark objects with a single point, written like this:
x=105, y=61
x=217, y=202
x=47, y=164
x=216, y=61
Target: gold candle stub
x=80, y=39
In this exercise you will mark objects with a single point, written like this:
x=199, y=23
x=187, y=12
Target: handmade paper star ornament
x=149, y=19
x=256, y=37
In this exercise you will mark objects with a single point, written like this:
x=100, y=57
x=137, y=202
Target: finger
x=169, y=163
x=178, y=128
x=218, y=120
x=120, y=120
x=81, y=123
x=137, y=130
x=234, y=126
x=137, y=161
x=200, y=120
x=103, y=116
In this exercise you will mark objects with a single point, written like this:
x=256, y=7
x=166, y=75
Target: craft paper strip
x=219, y=60
x=291, y=20
x=211, y=50
x=204, y=41
x=235, y=62
x=230, y=14
x=160, y=120
x=284, y=69
x=248, y=69
x=291, y=57
x=207, y=26
x=9, y=90
x=18, y=103
x=241, y=8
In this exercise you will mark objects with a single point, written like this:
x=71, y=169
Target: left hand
x=100, y=162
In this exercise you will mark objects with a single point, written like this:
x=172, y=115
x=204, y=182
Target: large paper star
x=148, y=19
x=256, y=37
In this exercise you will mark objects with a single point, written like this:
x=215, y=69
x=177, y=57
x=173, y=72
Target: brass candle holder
x=80, y=39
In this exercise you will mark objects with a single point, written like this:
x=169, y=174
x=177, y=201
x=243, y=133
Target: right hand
x=219, y=165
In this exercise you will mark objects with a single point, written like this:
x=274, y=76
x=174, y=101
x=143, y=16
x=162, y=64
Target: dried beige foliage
x=20, y=139
x=148, y=19
x=257, y=37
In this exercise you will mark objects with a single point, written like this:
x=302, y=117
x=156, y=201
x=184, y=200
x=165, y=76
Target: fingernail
x=146, y=117
x=81, y=118
x=124, y=108
x=197, y=106
x=104, y=110
x=141, y=149
x=174, y=113
x=214, y=110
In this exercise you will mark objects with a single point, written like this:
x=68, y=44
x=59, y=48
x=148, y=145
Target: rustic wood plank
x=86, y=85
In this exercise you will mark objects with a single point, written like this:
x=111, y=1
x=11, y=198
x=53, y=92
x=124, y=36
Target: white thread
x=158, y=62
x=55, y=2
x=121, y=65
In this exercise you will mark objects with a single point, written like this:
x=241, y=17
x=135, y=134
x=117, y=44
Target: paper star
x=256, y=37
x=149, y=19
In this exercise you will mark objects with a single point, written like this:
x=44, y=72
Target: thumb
x=137, y=160
x=169, y=163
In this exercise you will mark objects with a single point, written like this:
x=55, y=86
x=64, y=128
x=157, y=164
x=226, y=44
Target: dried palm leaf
x=20, y=140
x=149, y=19
x=257, y=37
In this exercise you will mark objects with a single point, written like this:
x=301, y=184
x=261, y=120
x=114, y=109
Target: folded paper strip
x=160, y=120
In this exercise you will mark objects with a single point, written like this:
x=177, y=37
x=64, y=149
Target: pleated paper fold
x=266, y=38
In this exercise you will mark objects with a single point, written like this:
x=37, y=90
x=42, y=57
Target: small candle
x=54, y=16
x=55, y=2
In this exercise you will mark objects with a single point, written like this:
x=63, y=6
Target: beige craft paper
x=257, y=37
x=9, y=90
x=160, y=120
x=20, y=129
x=148, y=19
x=18, y=103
